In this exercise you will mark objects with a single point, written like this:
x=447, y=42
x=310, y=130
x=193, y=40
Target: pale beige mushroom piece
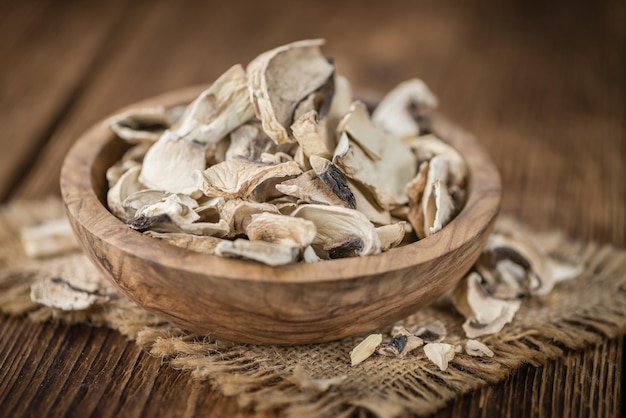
x=126, y=185
x=477, y=349
x=117, y=170
x=365, y=349
x=237, y=213
x=428, y=146
x=261, y=251
x=218, y=110
x=415, y=191
x=197, y=243
x=238, y=177
x=341, y=228
x=368, y=206
x=440, y=354
x=279, y=79
x=48, y=238
x=485, y=313
x=397, y=110
x=308, y=188
x=310, y=256
x=281, y=229
x=249, y=141
x=391, y=235
x=386, y=176
x=311, y=135
x=170, y=163
x=141, y=199
x=59, y=294
x=437, y=204
x=358, y=125
x=432, y=332
x=144, y=124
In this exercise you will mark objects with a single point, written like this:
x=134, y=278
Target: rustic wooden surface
x=541, y=84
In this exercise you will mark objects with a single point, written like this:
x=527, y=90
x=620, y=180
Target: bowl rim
x=84, y=207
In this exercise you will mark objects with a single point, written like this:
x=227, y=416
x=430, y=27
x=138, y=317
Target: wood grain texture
x=540, y=84
x=254, y=303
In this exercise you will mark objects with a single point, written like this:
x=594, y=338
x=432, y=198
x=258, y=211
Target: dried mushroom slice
x=49, y=238
x=311, y=135
x=429, y=146
x=437, y=204
x=485, y=313
x=381, y=162
x=250, y=142
x=144, y=124
x=402, y=343
x=477, y=349
x=170, y=163
x=440, y=354
x=340, y=231
x=281, y=229
x=197, y=243
x=278, y=80
x=127, y=185
x=58, y=293
x=432, y=332
x=415, y=191
x=365, y=349
x=238, y=177
x=330, y=175
x=218, y=110
x=237, y=213
x=261, y=251
x=391, y=235
x=308, y=188
x=397, y=112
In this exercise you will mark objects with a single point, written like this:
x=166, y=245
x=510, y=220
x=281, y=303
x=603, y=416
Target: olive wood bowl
x=249, y=302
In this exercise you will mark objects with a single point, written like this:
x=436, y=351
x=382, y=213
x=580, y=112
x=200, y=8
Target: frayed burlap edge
x=577, y=314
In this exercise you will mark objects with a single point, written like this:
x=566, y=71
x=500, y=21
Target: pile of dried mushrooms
x=278, y=163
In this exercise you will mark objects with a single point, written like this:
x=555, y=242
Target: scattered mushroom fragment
x=261, y=251
x=440, y=354
x=402, y=343
x=477, y=349
x=58, y=293
x=396, y=113
x=365, y=349
x=305, y=381
x=432, y=332
x=279, y=79
x=48, y=238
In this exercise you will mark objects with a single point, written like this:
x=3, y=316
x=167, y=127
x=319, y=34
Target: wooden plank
x=45, y=48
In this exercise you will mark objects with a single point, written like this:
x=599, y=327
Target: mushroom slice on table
x=238, y=177
x=224, y=106
x=265, y=252
x=440, y=354
x=144, y=124
x=477, y=349
x=365, y=349
x=340, y=231
x=396, y=113
x=279, y=79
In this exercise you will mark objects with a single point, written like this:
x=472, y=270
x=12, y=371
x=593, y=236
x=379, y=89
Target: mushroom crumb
x=278, y=163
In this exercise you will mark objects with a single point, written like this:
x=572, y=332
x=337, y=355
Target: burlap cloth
x=576, y=314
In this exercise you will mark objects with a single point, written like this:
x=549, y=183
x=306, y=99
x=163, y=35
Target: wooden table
x=541, y=84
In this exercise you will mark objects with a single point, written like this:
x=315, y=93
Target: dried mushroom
x=48, y=238
x=440, y=354
x=280, y=79
x=365, y=349
x=397, y=111
x=58, y=293
x=402, y=343
x=477, y=349
x=277, y=163
x=305, y=381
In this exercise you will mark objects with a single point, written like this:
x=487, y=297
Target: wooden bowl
x=248, y=302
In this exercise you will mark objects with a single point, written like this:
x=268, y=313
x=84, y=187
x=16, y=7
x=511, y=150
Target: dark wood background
x=541, y=85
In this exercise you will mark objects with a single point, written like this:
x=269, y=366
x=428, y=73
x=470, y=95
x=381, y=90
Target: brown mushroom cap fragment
x=238, y=177
x=279, y=79
x=281, y=229
x=170, y=163
x=144, y=124
x=261, y=251
x=396, y=113
x=337, y=227
x=218, y=110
